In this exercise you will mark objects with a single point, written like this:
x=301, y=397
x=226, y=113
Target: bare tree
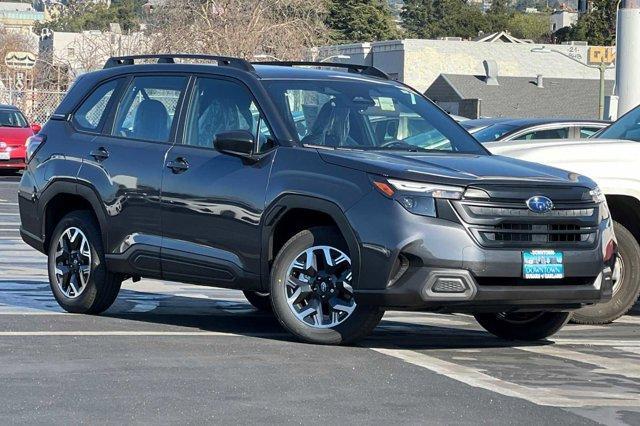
x=243, y=28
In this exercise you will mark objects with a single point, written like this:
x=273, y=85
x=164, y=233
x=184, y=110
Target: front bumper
x=444, y=269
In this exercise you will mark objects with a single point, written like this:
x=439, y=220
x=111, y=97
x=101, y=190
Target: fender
x=280, y=206
x=72, y=188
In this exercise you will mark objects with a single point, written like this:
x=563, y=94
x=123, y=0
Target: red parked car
x=14, y=131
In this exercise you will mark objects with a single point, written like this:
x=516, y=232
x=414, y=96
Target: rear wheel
x=77, y=271
x=311, y=290
x=523, y=325
x=626, y=283
x=260, y=301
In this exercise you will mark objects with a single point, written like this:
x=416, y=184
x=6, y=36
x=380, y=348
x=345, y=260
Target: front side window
x=12, y=118
x=493, y=132
x=92, y=112
x=219, y=106
x=587, y=132
x=627, y=127
x=362, y=114
x=148, y=107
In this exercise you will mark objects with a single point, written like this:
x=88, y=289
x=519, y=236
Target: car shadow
x=235, y=316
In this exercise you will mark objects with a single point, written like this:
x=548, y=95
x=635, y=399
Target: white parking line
x=544, y=395
x=133, y=333
x=621, y=366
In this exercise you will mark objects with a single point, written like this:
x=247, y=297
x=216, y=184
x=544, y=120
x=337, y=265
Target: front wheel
x=311, y=290
x=626, y=283
x=78, y=274
x=523, y=325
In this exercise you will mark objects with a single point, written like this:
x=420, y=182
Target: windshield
x=360, y=114
x=627, y=127
x=12, y=118
x=493, y=132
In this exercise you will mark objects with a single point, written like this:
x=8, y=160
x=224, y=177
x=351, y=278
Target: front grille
x=507, y=222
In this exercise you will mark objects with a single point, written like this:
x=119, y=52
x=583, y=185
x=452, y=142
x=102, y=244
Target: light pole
x=265, y=56
x=336, y=57
x=602, y=67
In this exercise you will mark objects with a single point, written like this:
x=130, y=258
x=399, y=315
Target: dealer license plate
x=542, y=265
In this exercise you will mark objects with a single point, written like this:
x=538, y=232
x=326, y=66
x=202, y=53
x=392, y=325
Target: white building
x=562, y=18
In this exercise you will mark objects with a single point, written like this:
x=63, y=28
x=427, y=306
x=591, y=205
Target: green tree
x=597, y=27
x=354, y=21
x=442, y=18
x=416, y=18
x=85, y=15
x=533, y=26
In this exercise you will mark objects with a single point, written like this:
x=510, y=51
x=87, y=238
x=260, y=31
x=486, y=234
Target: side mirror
x=36, y=128
x=239, y=142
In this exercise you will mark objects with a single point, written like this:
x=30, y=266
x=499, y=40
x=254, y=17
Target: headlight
x=597, y=196
x=416, y=197
x=431, y=190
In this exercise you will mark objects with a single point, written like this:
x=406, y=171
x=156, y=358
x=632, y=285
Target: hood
x=455, y=169
x=517, y=148
x=15, y=135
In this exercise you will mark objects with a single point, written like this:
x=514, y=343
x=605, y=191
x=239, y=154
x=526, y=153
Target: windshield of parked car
x=493, y=132
x=367, y=115
x=627, y=127
x=12, y=118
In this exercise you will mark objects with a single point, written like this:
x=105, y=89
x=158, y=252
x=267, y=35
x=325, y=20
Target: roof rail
x=170, y=59
x=353, y=68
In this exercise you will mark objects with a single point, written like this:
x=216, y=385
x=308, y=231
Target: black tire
x=523, y=326
x=627, y=291
x=358, y=325
x=102, y=286
x=260, y=301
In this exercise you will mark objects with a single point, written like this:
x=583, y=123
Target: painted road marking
x=544, y=395
x=134, y=333
x=621, y=367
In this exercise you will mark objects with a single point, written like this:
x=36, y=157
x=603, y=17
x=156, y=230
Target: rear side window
x=148, y=107
x=587, y=132
x=562, y=133
x=91, y=114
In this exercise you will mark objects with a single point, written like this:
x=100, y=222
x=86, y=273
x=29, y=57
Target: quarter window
x=221, y=106
x=148, y=107
x=91, y=113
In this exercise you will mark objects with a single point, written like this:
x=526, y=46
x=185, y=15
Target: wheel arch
x=61, y=198
x=625, y=210
x=290, y=214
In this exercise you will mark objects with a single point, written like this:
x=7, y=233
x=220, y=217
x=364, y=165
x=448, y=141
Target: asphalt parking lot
x=173, y=353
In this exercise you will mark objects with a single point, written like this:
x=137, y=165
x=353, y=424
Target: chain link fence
x=36, y=104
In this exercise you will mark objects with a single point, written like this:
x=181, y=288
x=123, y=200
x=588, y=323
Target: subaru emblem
x=540, y=204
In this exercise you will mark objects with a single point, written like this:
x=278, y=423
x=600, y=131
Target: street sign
x=601, y=55
x=20, y=60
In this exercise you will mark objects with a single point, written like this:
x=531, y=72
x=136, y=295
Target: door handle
x=100, y=154
x=179, y=165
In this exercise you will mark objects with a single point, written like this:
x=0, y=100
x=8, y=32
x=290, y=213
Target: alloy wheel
x=73, y=262
x=318, y=287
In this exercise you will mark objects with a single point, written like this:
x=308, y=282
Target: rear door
x=212, y=203
x=123, y=165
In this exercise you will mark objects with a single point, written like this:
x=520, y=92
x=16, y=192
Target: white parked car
x=612, y=159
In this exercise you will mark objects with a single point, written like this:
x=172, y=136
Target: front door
x=213, y=202
x=124, y=166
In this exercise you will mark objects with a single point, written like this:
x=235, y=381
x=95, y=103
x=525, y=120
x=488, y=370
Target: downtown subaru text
x=327, y=195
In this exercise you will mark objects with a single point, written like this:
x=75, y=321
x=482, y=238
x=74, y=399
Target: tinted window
x=562, y=133
x=148, y=107
x=627, y=127
x=12, y=118
x=218, y=106
x=587, y=132
x=493, y=132
x=361, y=114
x=91, y=113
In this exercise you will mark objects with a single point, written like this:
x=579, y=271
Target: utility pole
x=628, y=56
